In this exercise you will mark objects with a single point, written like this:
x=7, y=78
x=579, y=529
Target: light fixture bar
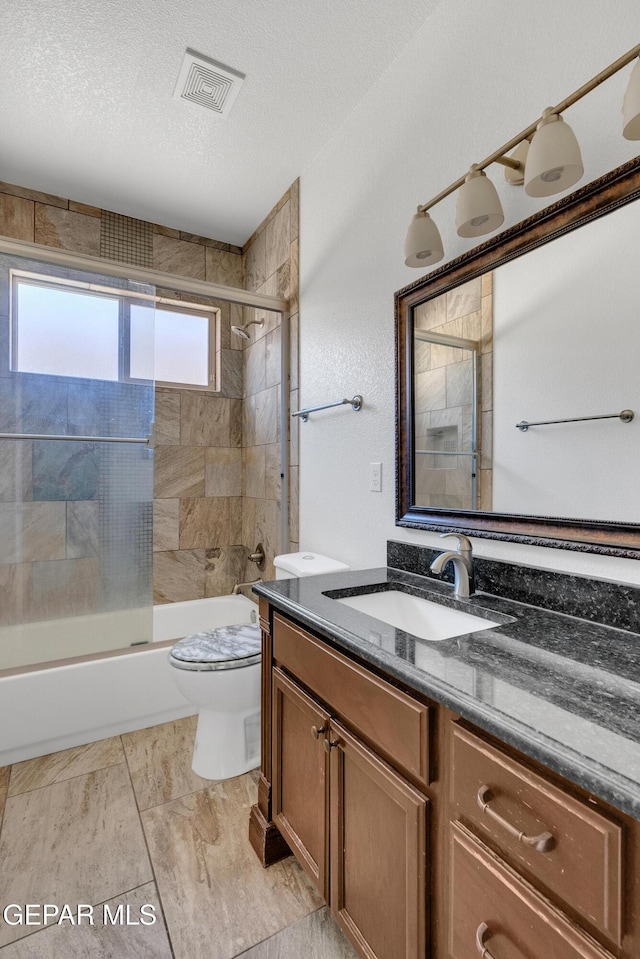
x=498, y=156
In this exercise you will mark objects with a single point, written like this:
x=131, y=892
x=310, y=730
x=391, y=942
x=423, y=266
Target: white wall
x=566, y=344
x=469, y=79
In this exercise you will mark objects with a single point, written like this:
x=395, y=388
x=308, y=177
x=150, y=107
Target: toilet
x=218, y=670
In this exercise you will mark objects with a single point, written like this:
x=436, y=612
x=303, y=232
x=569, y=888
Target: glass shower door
x=76, y=466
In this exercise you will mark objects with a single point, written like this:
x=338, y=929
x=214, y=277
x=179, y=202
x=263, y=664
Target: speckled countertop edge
x=345, y=628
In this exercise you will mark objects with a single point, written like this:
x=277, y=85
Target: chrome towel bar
x=144, y=440
x=626, y=416
x=355, y=404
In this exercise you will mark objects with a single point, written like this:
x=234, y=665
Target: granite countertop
x=563, y=690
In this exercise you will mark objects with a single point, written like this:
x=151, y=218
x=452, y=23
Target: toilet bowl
x=218, y=670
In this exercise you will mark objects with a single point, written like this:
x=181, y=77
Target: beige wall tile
x=278, y=239
x=294, y=272
x=15, y=472
x=159, y=761
x=267, y=411
x=235, y=422
x=223, y=267
x=249, y=521
x=273, y=364
x=167, y=417
x=223, y=471
x=231, y=377
x=464, y=299
x=254, y=367
x=486, y=284
x=428, y=316
x=235, y=520
x=166, y=524
x=272, y=471
x=255, y=263
x=84, y=844
x=204, y=522
x=486, y=445
x=32, y=531
x=178, y=256
x=205, y=420
x=294, y=429
x=254, y=471
x=294, y=352
x=283, y=280
x=486, y=310
x=49, y=198
x=202, y=856
x=178, y=471
x=486, y=374
x=178, y=575
x=83, y=208
x=431, y=389
x=268, y=531
x=17, y=217
x=83, y=517
x=166, y=231
x=294, y=209
x=56, y=767
x=15, y=589
x=69, y=587
x=225, y=567
x=67, y=230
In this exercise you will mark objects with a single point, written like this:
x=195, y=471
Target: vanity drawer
x=578, y=853
x=492, y=909
x=395, y=724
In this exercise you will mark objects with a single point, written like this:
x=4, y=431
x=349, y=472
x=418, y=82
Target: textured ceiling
x=87, y=108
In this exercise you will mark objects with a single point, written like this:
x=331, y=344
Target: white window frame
x=125, y=298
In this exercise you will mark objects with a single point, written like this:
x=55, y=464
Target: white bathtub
x=45, y=710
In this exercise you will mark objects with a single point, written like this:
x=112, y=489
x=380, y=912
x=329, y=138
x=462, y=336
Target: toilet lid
x=226, y=647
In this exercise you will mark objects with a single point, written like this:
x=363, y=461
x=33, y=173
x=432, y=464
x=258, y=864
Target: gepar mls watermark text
x=82, y=914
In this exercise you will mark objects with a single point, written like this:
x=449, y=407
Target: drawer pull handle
x=544, y=842
x=482, y=933
x=316, y=731
x=329, y=744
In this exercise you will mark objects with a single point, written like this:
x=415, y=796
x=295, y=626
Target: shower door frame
x=183, y=284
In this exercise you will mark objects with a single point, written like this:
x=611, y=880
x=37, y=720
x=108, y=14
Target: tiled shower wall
x=444, y=395
x=209, y=508
x=270, y=266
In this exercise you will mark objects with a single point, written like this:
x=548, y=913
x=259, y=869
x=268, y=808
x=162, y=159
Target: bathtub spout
x=238, y=586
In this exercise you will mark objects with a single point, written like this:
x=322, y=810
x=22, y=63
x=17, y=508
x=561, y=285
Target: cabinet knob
x=543, y=842
x=329, y=744
x=482, y=934
x=317, y=731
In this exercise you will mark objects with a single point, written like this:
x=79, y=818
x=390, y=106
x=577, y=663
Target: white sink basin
x=418, y=616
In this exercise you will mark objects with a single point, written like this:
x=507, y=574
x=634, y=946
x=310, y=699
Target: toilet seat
x=227, y=647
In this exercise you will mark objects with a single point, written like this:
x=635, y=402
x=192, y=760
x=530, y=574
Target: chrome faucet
x=462, y=559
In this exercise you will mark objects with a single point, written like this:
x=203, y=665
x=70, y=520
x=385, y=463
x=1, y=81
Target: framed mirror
x=518, y=380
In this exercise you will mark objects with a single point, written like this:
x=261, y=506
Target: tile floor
x=124, y=823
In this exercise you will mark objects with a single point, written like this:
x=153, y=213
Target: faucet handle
x=464, y=544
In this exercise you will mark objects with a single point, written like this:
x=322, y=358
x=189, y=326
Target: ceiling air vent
x=208, y=83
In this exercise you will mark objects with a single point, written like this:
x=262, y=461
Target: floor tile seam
x=58, y=782
x=4, y=807
x=150, y=857
x=274, y=935
x=194, y=792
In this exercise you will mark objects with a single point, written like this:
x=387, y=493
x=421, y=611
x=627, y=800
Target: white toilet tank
x=293, y=565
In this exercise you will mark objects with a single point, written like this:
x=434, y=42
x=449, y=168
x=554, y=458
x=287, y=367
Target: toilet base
x=227, y=744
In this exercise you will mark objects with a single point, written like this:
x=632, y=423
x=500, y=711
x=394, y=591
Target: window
x=63, y=328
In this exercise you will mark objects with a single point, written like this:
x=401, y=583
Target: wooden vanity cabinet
x=428, y=838
x=356, y=825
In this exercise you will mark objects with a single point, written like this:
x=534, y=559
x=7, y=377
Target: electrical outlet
x=375, y=477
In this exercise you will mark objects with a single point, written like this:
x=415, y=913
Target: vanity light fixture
x=546, y=159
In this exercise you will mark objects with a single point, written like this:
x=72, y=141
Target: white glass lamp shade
x=478, y=209
x=554, y=162
x=631, y=106
x=423, y=244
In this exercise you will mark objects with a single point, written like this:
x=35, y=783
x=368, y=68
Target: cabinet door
x=378, y=852
x=300, y=776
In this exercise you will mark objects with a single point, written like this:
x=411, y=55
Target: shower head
x=242, y=330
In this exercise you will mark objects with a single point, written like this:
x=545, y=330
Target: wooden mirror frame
x=592, y=201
